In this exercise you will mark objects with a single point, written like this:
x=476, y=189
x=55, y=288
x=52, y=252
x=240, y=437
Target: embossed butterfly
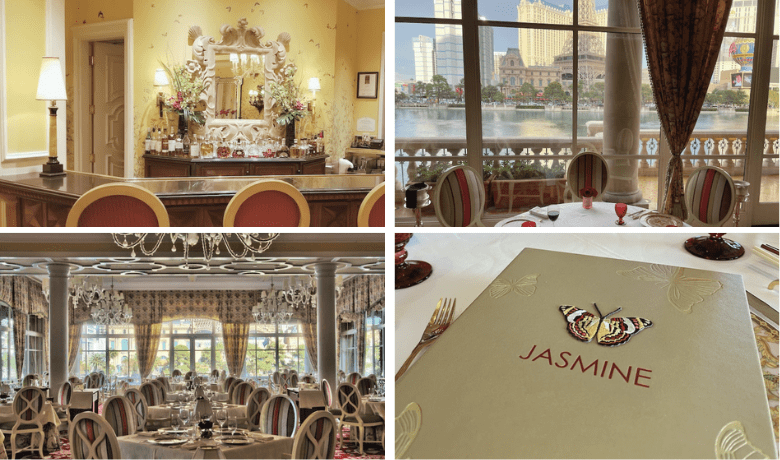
x=524, y=286
x=584, y=325
x=682, y=291
x=407, y=426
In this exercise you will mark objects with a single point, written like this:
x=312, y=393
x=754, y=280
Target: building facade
x=449, y=41
x=424, y=58
x=513, y=74
x=486, y=64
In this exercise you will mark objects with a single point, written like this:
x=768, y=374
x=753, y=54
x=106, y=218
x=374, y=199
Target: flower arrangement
x=225, y=113
x=286, y=94
x=187, y=87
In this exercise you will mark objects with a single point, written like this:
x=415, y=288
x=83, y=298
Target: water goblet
x=232, y=425
x=175, y=421
x=620, y=210
x=553, y=211
x=221, y=418
x=185, y=416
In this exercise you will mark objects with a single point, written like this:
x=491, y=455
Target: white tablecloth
x=138, y=447
x=465, y=264
x=307, y=399
x=377, y=407
x=49, y=415
x=574, y=215
x=165, y=412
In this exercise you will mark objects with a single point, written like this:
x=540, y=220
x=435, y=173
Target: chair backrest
x=327, y=393
x=372, y=377
x=119, y=413
x=459, y=197
x=118, y=205
x=92, y=381
x=341, y=376
x=279, y=416
x=74, y=380
x=267, y=203
x=372, y=209
x=64, y=393
x=28, y=405
x=151, y=393
x=176, y=373
x=308, y=379
x=316, y=438
x=349, y=399
x=587, y=170
x=166, y=384
x=91, y=437
x=254, y=407
x=294, y=380
x=215, y=373
x=353, y=378
x=710, y=196
x=365, y=385
x=241, y=393
x=161, y=389
x=139, y=407
x=188, y=375
x=276, y=377
x=228, y=382
x=232, y=388
x=28, y=380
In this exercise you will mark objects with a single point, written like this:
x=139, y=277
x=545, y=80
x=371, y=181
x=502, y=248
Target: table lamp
x=51, y=87
x=160, y=81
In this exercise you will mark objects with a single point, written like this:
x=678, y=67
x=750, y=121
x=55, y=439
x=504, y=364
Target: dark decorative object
x=184, y=123
x=257, y=101
x=205, y=427
x=714, y=247
x=408, y=273
x=289, y=137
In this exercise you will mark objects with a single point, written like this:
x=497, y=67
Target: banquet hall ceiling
x=96, y=254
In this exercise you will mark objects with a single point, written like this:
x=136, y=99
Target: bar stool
x=267, y=203
x=372, y=209
x=118, y=205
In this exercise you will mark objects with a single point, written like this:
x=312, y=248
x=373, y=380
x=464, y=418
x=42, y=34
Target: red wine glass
x=620, y=210
x=714, y=247
x=553, y=211
x=408, y=273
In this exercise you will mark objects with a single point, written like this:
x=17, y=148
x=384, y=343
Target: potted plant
x=187, y=88
x=522, y=183
x=287, y=101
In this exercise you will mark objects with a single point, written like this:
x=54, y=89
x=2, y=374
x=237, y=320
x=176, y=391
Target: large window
x=34, y=359
x=8, y=357
x=108, y=349
x=375, y=340
x=541, y=94
x=273, y=347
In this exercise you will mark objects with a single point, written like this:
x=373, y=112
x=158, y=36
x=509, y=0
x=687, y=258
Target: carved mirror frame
x=241, y=40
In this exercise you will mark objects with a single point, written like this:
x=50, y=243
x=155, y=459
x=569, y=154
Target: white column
x=58, y=325
x=326, y=322
x=622, y=103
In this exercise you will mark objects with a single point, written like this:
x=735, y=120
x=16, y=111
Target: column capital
x=59, y=268
x=327, y=268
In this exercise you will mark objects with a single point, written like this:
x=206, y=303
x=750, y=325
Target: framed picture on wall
x=368, y=85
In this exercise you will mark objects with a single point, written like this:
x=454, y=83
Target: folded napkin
x=194, y=445
x=147, y=434
x=538, y=212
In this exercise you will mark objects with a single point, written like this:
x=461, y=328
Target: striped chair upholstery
x=74, y=380
x=28, y=408
x=254, y=407
x=119, y=413
x=140, y=408
x=294, y=380
x=28, y=380
x=351, y=404
x=161, y=390
x=459, y=198
x=279, y=416
x=710, y=196
x=328, y=397
x=241, y=393
x=587, y=170
x=317, y=437
x=176, y=373
x=62, y=404
x=232, y=388
x=365, y=386
x=228, y=382
x=353, y=378
x=151, y=393
x=91, y=437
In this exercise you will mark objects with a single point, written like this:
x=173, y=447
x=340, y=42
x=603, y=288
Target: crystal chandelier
x=301, y=294
x=246, y=65
x=251, y=243
x=272, y=308
x=110, y=309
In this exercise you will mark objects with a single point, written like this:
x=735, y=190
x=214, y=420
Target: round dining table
x=50, y=423
x=602, y=214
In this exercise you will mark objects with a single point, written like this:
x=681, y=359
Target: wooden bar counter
x=28, y=200
x=164, y=166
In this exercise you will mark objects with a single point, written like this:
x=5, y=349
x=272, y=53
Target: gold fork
x=440, y=321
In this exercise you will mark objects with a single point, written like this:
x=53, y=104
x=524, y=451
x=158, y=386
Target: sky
x=499, y=10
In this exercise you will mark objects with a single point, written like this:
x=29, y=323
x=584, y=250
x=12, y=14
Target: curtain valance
x=362, y=293
x=24, y=295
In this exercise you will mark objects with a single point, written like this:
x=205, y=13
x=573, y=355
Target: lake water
x=443, y=122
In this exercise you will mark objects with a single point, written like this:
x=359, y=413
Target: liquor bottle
x=207, y=147
x=153, y=143
x=223, y=151
x=179, y=147
x=171, y=143
x=186, y=143
x=158, y=142
x=148, y=142
x=194, y=147
x=164, y=142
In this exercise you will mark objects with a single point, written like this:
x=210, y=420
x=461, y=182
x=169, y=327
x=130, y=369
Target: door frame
x=82, y=84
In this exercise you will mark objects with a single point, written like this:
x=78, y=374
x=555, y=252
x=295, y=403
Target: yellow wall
x=370, y=26
x=77, y=13
x=25, y=35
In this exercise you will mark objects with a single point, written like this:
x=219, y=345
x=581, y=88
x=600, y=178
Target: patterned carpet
x=349, y=451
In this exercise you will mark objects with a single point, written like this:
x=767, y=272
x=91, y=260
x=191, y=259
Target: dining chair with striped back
x=284, y=382
x=28, y=380
x=241, y=393
x=293, y=380
x=352, y=412
x=267, y=203
x=353, y=378
x=710, y=196
x=341, y=376
x=161, y=389
x=119, y=413
x=316, y=438
x=279, y=416
x=254, y=407
x=118, y=205
x=232, y=389
x=229, y=381
x=140, y=409
x=459, y=197
x=62, y=405
x=151, y=393
x=365, y=386
x=176, y=373
x=372, y=209
x=28, y=407
x=275, y=382
x=91, y=437
x=327, y=395
x=587, y=174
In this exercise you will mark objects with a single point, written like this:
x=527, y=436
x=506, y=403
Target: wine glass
x=620, y=210
x=175, y=421
x=553, y=211
x=221, y=418
x=232, y=425
x=185, y=416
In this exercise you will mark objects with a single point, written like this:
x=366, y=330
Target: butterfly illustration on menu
x=612, y=332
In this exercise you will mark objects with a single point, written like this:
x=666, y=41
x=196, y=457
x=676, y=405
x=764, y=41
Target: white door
x=108, y=135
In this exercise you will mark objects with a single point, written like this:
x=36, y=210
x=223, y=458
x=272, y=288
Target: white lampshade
x=314, y=84
x=160, y=78
x=51, y=84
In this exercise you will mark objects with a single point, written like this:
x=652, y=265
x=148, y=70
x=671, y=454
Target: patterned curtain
x=20, y=330
x=360, y=327
x=310, y=340
x=7, y=289
x=46, y=345
x=74, y=341
x=147, y=339
x=235, y=337
x=682, y=42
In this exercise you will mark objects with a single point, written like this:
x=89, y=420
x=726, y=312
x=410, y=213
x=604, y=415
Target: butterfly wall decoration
x=407, y=426
x=583, y=325
x=683, y=292
x=524, y=286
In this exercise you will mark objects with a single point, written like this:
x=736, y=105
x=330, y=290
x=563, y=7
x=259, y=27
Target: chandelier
x=106, y=306
x=273, y=308
x=251, y=244
x=301, y=294
x=245, y=65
